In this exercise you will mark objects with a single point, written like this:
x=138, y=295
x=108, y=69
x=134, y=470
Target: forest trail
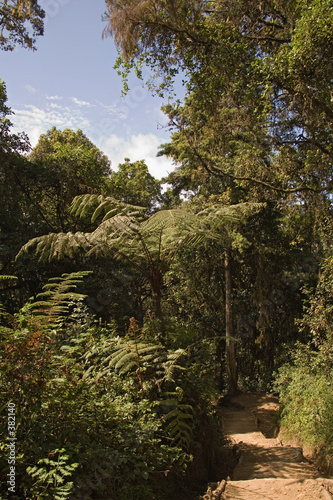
x=267, y=469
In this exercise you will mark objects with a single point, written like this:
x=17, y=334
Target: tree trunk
x=156, y=285
x=229, y=327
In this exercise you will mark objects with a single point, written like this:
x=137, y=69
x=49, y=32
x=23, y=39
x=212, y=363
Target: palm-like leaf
x=57, y=246
x=96, y=206
x=157, y=239
x=53, y=302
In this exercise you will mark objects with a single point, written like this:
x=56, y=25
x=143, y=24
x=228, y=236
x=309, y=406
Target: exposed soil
x=267, y=468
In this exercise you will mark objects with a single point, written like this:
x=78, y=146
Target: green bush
x=306, y=395
x=83, y=431
x=306, y=385
x=97, y=415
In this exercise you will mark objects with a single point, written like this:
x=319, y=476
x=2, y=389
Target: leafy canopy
x=258, y=77
x=14, y=17
x=133, y=184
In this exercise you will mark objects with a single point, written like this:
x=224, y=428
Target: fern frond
x=126, y=352
x=7, y=277
x=57, y=246
x=54, y=301
x=222, y=214
x=102, y=206
x=118, y=225
x=84, y=205
x=167, y=219
x=179, y=420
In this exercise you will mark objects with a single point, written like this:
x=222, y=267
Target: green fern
x=52, y=476
x=215, y=216
x=57, y=246
x=97, y=206
x=171, y=366
x=7, y=277
x=151, y=364
x=52, y=305
x=179, y=422
x=136, y=358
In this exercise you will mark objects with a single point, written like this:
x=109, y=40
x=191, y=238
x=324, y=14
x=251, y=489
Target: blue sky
x=69, y=82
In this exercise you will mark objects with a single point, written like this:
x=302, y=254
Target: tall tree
x=133, y=184
x=68, y=164
x=255, y=113
x=14, y=204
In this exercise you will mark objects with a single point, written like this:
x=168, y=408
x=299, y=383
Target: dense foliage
x=305, y=385
x=14, y=17
x=95, y=413
x=219, y=282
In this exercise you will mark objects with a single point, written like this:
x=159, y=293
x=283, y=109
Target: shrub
x=82, y=432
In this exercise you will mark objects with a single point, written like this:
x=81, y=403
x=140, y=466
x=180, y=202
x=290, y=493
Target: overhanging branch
x=218, y=172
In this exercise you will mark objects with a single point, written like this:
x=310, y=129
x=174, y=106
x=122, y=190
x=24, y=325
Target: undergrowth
x=96, y=415
x=305, y=384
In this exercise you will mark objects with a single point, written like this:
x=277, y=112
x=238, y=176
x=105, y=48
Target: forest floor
x=267, y=469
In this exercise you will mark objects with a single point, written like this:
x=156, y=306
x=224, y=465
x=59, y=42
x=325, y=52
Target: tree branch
x=221, y=173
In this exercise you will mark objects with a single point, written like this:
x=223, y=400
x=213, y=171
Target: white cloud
x=53, y=97
x=138, y=147
x=63, y=109
x=36, y=121
x=30, y=89
x=102, y=129
x=80, y=103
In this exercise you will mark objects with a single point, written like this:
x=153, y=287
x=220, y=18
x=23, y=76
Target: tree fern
x=149, y=246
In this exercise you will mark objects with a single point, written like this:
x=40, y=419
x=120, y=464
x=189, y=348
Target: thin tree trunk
x=156, y=284
x=229, y=327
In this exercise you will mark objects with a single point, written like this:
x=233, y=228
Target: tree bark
x=229, y=327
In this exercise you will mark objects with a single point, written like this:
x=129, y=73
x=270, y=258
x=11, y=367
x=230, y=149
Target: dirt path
x=266, y=468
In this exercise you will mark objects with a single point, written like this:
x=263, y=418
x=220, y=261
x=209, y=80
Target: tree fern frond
x=112, y=236
x=231, y=213
x=107, y=206
x=57, y=246
x=102, y=206
x=174, y=218
x=118, y=225
x=84, y=205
